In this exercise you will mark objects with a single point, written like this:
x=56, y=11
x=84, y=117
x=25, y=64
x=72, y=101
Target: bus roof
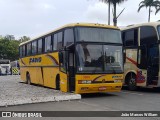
x=73, y=25
x=142, y=24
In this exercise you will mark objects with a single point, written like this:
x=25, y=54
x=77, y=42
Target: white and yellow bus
x=79, y=58
x=141, y=44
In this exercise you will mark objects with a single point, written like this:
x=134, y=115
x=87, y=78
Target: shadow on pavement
x=146, y=90
x=97, y=95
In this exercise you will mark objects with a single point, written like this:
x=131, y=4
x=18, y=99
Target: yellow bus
x=79, y=58
x=141, y=45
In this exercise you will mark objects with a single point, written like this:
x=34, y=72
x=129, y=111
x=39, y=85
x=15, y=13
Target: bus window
x=130, y=37
x=20, y=50
x=68, y=37
x=59, y=44
x=63, y=65
x=48, y=46
x=147, y=35
x=34, y=47
x=28, y=49
x=55, y=42
x=23, y=52
x=40, y=46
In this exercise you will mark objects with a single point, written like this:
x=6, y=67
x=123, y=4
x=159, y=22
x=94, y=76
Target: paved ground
x=14, y=92
x=141, y=100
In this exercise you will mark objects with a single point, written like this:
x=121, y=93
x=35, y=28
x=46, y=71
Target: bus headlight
x=84, y=82
x=117, y=81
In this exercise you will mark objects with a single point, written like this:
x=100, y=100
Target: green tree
x=24, y=38
x=157, y=10
x=149, y=4
x=9, y=49
x=114, y=3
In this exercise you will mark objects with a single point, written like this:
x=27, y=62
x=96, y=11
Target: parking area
x=14, y=92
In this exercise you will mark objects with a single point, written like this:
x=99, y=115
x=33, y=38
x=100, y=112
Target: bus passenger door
x=142, y=65
x=63, y=60
x=153, y=65
x=71, y=71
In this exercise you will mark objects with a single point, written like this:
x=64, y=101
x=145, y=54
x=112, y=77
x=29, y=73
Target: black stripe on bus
x=42, y=74
x=40, y=66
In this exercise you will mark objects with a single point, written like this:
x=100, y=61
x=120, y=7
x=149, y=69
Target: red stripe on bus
x=132, y=61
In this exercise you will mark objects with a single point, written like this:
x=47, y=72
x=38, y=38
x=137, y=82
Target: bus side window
x=34, y=47
x=60, y=37
x=48, y=46
x=24, y=51
x=40, y=46
x=55, y=41
x=130, y=37
x=20, y=51
x=148, y=35
x=28, y=49
x=63, y=61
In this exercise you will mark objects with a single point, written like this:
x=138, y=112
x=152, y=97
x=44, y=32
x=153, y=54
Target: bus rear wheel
x=132, y=82
x=57, y=83
x=28, y=81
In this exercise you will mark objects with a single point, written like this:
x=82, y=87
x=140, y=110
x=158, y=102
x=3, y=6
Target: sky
x=35, y=17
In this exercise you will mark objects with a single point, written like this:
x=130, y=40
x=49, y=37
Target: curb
x=40, y=100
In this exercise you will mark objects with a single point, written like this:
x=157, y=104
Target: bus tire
x=57, y=82
x=28, y=79
x=132, y=82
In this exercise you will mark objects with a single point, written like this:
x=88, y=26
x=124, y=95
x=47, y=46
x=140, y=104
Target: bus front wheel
x=132, y=82
x=28, y=81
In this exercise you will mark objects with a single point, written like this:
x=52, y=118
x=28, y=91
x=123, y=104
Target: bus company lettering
x=35, y=60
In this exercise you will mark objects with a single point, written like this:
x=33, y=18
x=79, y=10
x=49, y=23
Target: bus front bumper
x=98, y=88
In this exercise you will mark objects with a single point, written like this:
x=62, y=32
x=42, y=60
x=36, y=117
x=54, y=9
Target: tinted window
x=55, y=41
x=48, y=45
x=98, y=35
x=40, y=46
x=29, y=49
x=34, y=47
x=68, y=37
x=24, y=50
x=63, y=64
x=130, y=37
x=148, y=35
x=59, y=44
x=20, y=51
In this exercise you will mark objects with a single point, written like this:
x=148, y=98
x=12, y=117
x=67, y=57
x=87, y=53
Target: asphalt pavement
x=140, y=100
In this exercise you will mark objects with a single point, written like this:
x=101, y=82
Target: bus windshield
x=99, y=58
x=91, y=34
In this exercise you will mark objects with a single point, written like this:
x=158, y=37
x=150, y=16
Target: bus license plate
x=102, y=88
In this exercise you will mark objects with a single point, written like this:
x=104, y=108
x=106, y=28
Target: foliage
x=149, y=4
x=9, y=49
x=114, y=2
x=24, y=39
x=157, y=10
